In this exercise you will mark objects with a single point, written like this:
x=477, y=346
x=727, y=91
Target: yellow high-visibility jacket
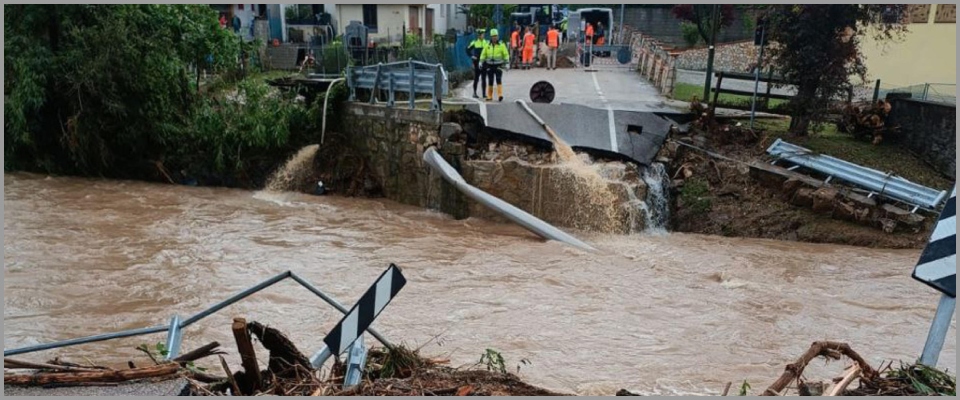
x=495, y=54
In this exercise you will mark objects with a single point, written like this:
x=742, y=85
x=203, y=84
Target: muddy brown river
x=670, y=314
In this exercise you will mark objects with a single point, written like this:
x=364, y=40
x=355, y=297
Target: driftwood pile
x=913, y=380
x=389, y=372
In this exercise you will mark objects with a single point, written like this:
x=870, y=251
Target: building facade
x=927, y=54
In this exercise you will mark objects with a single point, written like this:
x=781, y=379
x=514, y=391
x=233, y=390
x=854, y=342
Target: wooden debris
x=206, y=350
x=44, y=378
x=20, y=364
x=248, y=356
x=845, y=382
x=834, y=350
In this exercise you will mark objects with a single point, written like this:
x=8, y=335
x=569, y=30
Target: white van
x=579, y=19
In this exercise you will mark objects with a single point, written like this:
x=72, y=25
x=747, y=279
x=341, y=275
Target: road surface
x=617, y=90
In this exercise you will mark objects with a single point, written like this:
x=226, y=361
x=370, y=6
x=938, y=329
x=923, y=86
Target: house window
x=240, y=6
x=370, y=16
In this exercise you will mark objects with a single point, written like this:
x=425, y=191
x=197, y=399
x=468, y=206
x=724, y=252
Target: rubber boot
x=490, y=93
x=500, y=93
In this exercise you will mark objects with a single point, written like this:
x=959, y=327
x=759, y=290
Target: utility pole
x=715, y=19
x=756, y=82
x=620, y=38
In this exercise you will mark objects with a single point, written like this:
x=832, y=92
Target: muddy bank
x=716, y=191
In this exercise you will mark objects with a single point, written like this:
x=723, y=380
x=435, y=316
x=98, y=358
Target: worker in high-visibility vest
x=589, y=35
x=495, y=58
x=553, y=45
x=529, y=44
x=563, y=29
x=474, y=50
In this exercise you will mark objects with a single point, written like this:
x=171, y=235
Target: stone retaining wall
x=391, y=142
x=928, y=129
x=731, y=57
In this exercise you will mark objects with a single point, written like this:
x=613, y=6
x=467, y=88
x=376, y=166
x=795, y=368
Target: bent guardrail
x=411, y=77
x=878, y=183
x=356, y=355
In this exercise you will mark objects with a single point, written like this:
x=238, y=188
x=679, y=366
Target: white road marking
x=610, y=119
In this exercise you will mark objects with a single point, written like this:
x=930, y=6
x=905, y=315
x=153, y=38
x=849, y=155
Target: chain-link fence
x=936, y=92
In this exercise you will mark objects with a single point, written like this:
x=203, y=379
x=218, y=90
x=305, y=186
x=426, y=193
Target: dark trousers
x=494, y=72
x=478, y=76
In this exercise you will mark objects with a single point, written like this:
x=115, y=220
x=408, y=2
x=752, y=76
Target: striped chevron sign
x=355, y=322
x=938, y=264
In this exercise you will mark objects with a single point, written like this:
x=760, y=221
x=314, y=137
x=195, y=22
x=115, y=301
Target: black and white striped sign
x=365, y=311
x=938, y=264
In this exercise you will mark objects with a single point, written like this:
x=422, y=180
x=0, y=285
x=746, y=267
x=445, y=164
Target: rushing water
x=657, y=204
x=659, y=314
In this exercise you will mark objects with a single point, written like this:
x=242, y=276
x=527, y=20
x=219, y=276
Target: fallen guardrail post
x=174, y=337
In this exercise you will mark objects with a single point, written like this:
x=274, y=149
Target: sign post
x=759, y=38
x=938, y=268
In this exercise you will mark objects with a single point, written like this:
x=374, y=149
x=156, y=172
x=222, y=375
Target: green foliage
x=100, y=88
x=493, y=360
x=745, y=389
x=690, y=34
x=160, y=351
x=818, y=48
x=695, y=196
x=115, y=90
x=925, y=381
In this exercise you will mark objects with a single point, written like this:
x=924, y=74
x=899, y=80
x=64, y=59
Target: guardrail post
x=356, y=359
x=351, y=83
x=174, y=337
x=413, y=85
x=320, y=357
x=393, y=87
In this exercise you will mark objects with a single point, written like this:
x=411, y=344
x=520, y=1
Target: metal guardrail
x=410, y=77
x=355, y=355
x=878, y=183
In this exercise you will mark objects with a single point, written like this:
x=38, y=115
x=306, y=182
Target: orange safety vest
x=515, y=39
x=528, y=40
x=589, y=30
x=553, y=38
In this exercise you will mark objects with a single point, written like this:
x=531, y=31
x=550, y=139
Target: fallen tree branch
x=206, y=350
x=794, y=371
x=20, y=364
x=42, y=379
x=847, y=380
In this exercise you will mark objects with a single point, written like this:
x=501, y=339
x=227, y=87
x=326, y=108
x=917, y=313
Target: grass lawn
x=686, y=92
x=886, y=157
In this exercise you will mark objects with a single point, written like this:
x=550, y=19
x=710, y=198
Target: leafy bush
x=690, y=34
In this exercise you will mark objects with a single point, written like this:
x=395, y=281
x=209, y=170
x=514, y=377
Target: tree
x=708, y=20
x=481, y=15
x=818, y=49
x=96, y=89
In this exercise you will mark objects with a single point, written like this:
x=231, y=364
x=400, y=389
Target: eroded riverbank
x=657, y=314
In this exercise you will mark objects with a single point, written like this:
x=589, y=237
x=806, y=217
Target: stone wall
x=391, y=142
x=732, y=57
x=928, y=129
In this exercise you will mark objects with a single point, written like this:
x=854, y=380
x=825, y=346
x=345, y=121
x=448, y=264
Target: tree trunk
x=804, y=105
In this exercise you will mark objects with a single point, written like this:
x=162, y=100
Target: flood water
x=662, y=314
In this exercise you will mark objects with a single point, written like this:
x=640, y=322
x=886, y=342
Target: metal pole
x=926, y=89
x=620, y=39
x=88, y=339
x=756, y=83
x=938, y=331
x=711, y=50
x=235, y=298
x=876, y=91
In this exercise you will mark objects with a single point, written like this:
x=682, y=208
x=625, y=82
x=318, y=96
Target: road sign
x=355, y=322
x=938, y=263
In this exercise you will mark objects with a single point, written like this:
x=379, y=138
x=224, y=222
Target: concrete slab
x=632, y=135
x=173, y=387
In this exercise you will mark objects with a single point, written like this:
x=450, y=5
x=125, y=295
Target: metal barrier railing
x=176, y=326
x=878, y=183
x=410, y=77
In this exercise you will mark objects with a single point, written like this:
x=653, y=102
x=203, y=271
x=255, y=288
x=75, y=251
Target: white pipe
x=326, y=98
x=522, y=218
